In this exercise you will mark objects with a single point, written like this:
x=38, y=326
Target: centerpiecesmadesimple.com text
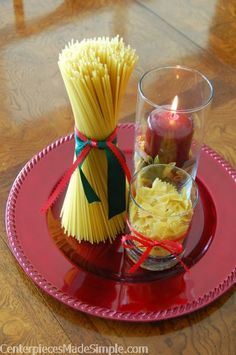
x=74, y=349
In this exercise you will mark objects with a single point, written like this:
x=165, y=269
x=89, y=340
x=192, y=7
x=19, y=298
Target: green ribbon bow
x=116, y=183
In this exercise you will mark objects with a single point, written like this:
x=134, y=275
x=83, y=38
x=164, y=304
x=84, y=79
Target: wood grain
x=210, y=24
x=24, y=316
x=35, y=110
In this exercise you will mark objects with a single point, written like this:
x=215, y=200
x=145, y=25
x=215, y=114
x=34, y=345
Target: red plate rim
x=49, y=288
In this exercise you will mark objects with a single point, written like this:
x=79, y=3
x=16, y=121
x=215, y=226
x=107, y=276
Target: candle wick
x=174, y=116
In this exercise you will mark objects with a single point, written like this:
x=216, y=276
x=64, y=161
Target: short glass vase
x=162, y=200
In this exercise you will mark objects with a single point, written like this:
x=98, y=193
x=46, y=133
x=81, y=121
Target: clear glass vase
x=161, y=206
x=172, y=106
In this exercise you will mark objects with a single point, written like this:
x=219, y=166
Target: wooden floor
x=34, y=111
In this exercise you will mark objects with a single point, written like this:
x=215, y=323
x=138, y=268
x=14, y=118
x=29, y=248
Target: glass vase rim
x=167, y=107
x=189, y=177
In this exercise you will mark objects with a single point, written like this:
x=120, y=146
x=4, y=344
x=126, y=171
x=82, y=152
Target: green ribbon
x=116, y=181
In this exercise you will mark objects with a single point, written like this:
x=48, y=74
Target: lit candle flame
x=174, y=104
x=173, y=109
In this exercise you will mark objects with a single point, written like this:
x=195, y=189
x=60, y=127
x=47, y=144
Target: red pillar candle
x=169, y=135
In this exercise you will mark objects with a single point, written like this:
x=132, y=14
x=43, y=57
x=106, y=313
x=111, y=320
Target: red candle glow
x=169, y=135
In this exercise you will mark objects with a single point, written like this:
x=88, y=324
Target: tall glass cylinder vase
x=172, y=106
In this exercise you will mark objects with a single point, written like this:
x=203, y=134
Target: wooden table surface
x=34, y=111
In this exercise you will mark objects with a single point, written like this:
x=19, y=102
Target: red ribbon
x=92, y=144
x=172, y=246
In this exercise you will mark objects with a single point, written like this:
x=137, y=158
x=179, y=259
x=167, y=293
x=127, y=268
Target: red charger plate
x=95, y=279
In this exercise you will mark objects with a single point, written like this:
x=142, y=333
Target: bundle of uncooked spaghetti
x=95, y=72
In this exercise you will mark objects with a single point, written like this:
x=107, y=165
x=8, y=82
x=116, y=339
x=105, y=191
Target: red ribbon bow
x=112, y=147
x=172, y=246
x=80, y=158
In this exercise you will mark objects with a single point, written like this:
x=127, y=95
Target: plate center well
x=110, y=260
